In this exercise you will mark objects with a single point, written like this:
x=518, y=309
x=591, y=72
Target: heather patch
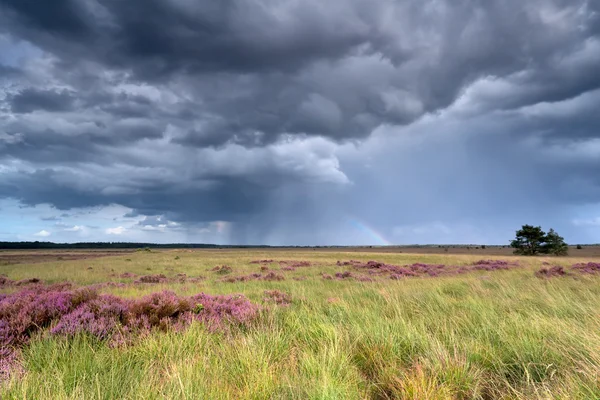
x=278, y=297
x=295, y=264
x=344, y=275
x=59, y=310
x=284, y=263
x=183, y=278
x=222, y=269
x=492, y=265
x=551, y=272
x=376, y=268
x=159, y=278
x=587, y=268
x=272, y=276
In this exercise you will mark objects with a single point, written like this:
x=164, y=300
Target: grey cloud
x=6, y=71
x=29, y=100
x=254, y=70
x=63, y=17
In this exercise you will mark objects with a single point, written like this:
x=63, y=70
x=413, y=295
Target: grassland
x=478, y=335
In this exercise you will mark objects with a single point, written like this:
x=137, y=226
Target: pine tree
x=555, y=244
x=529, y=240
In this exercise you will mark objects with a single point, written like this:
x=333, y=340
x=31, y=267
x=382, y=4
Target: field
x=437, y=325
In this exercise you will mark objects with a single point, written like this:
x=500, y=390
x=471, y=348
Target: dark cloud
x=62, y=17
x=229, y=110
x=338, y=70
x=29, y=100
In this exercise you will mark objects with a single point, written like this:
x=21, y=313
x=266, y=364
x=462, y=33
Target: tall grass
x=488, y=335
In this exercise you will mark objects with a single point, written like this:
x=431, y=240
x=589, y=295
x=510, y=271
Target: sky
x=287, y=122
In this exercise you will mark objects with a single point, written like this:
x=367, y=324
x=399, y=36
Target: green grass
x=488, y=335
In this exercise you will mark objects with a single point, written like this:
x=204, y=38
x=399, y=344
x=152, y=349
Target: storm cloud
x=429, y=121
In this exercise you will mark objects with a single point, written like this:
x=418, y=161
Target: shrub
x=160, y=278
x=272, y=276
x=222, y=269
x=343, y=275
x=278, y=297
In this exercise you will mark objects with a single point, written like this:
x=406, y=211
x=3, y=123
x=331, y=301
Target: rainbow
x=369, y=231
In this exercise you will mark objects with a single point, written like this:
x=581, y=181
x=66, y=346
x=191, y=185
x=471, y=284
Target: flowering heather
x=278, y=297
x=24, y=312
x=218, y=310
x=158, y=309
x=551, y=272
x=296, y=264
x=403, y=272
x=379, y=268
x=288, y=268
x=587, y=268
x=490, y=265
x=425, y=269
x=261, y=261
x=69, y=312
x=101, y=317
